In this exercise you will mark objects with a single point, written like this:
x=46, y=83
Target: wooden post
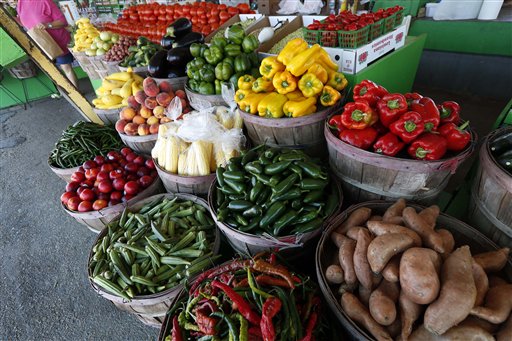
x=15, y=31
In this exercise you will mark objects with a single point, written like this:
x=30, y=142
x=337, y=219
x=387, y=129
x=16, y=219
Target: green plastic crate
x=354, y=39
x=376, y=30
x=399, y=17
x=310, y=36
x=389, y=23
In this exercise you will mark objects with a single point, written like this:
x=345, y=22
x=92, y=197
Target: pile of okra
x=275, y=191
x=162, y=245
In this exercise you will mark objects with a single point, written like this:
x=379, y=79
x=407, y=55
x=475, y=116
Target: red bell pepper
x=358, y=115
x=388, y=144
x=391, y=107
x=408, y=127
x=428, y=147
x=411, y=97
x=335, y=122
x=457, y=138
x=270, y=309
x=176, y=330
x=449, y=112
x=427, y=108
x=243, y=307
x=367, y=91
x=361, y=138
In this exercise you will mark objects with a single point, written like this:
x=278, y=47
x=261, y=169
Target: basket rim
x=188, y=89
x=159, y=168
x=498, y=172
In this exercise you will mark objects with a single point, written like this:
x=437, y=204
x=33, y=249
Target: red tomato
x=215, y=12
x=131, y=188
x=77, y=177
x=73, y=203
x=85, y=206
x=222, y=7
x=233, y=10
x=213, y=20
x=203, y=21
x=66, y=196
x=193, y=11
x=200, y=11
x=99, y=204
x=194, y=20
x=87, y=194
x=223, y=15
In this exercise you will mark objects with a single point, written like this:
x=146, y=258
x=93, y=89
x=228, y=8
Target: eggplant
x=158, y=66
x=167, y=42
x=179, y=28
x=179, y=56
x=189, y=39
x=175, y=72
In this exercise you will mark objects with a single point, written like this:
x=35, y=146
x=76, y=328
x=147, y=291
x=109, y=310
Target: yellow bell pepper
x=300, y=108
x=269, y=66
x=262, y=84
x=272, y=105
x=291, y=49
x=310, y=85
x=284, y=82
x=240, y=94
x=304, y=60
x=327, y=61
x=250, y=103
x=337, y=80
x=295, y=95
x=245, y=82
x=329, y=96
x=320, y=72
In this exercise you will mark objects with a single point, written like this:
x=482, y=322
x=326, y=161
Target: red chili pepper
x=391, y=107
x=310, y=327
x=205, y=323
x=253, y=330
x=367, y=91
x=449, y=112
x=243, y=307
x=361, y=138
x=411, y=97
x=335, y=122
x=232, y=266
x=271, y=281
x=267, y=268
x=176, y=330
x=427, y=108
x=270, y=309
x=457, y=138
x=388, y=144
x=408, y=127
x=428, y=147
x=272, y=259
x=358, y=115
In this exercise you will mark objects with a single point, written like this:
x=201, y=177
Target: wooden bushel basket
x=177, y=83
x=174, y=183
x=371, y=176
x=198, y=101
x=490, y=208
x=97, y=220
x=249, y=244
x=140, y=70
x=140, y=144
x=109, y=116
x=151, y=309
x=326, y=250
x=63, y=173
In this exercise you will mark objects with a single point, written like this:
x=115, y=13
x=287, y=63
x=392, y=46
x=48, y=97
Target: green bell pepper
x=219, y=41
x=255, y=62
x=232, y=50
x=223, y=71
x=207, y=73
x=250, y=43
x=234, y=79
x=213, y=55
x=193, y=73
x=236, y=34
x=199, y=62
x=230, y=60
x=218, y=87
x=206, y=88
x=242, y=63
x=197, y=49
x=193, y=84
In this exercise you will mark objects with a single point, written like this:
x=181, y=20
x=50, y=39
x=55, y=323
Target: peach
x=159, y=111
x=184, y=103
x=143, y=129
x=133, y=103
x=139, y=119
x=153, y=129
x=127, y=113
x=181, y=94
x=145, y=112
x=163, y=99
x=165, y=120
x=148, y=81
x=151, y=89
x=165, y=86
x=140, y=96
x=150, y=103
x=131, y=129
x=120, y=125
x=152, y=120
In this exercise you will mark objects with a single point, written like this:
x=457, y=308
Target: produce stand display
x=282, y=153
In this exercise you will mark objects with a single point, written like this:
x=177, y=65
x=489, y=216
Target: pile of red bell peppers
x=389, y=123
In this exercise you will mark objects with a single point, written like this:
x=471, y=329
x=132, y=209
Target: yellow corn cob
x=191, y=162
x=182, y=163
x=238, y=121
x=202, y=152
x=220, y=158
x=213, y=163
x=172, y=154
x=126, y=90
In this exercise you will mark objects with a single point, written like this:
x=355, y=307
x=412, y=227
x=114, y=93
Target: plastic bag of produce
x=228, y=95
x=293, y=6
x=200, y=125
x=174, y=109
x=228, y=145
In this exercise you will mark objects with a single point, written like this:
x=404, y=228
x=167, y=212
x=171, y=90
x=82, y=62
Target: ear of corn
x=182, y=163
x=172, y=154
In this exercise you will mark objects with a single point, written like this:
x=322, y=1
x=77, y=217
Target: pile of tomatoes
x=151, y=20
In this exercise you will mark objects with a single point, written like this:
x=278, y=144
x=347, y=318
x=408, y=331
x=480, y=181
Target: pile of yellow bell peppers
x=292, y=84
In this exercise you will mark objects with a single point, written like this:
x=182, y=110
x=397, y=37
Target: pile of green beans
x=162, y=245
x=276, y=191
x=83, y=141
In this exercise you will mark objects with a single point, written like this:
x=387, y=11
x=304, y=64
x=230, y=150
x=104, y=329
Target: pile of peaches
x=146, y=109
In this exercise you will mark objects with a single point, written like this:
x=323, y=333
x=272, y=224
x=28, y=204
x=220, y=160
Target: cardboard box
x=235, y=19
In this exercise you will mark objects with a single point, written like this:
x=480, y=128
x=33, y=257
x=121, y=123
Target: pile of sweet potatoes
x=401, y=277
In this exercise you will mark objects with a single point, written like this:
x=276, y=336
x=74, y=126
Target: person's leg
x=70, y=73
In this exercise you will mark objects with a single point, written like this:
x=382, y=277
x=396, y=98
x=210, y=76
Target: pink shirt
x=33, y=12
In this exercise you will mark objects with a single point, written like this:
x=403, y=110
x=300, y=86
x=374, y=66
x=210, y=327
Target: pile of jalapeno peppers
x=248, y=299
x=276, y=191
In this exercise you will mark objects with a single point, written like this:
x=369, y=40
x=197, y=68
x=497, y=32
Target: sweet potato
x=429, y=237
x=448, y=241
x=382, y=248
x=375, y=218
x=391, y=270
x=364, y=295
x=334, y=274
x=473, y=321
x=396, y=220
x=505, y=332
x=409, y=313
x=492, y=261
x=361, y=266
x=356, y=218
x=382, y=303
x=337, y=239
x=419, y=274
x=395, y=328
x=430, y=215
x=458, y=333
x=357, y=312
x=353, y=231
x=346, y=258
x=457, y=295
x=481, y=283
x=494, y=281
x=379, y=228
x=498, y=304
x=345, y=287
x=394, y=210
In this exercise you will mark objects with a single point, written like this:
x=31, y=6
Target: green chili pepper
x=272, y=214
x=285, y=184
x=276, y=168
x=311, y=169
x=284, y=221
